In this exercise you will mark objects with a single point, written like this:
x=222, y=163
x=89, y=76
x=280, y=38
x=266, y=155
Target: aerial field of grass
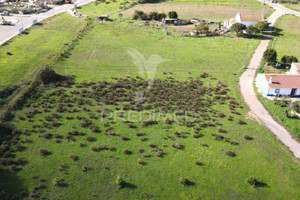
x=218, y=2
x=286, y=37
x=76, y=140
x=208, y=12
x=40, y=46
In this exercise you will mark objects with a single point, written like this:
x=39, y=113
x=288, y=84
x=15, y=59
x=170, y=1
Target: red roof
x=251, y=17
x=283, y=80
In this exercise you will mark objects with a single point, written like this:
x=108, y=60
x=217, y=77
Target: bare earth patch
x=209, y=12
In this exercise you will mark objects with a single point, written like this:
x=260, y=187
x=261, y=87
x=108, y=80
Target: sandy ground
x=209, y=12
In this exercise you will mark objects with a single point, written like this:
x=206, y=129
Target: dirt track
x=249, y=95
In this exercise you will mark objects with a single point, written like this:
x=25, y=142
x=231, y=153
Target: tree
x=270, y=56
x=201, y=27
x=162, y=15
x=173, y=14
x=261, y=26
x=153, y=15
x=238, y=28
x=252, y=30
x=288, y=59
x=138, y=14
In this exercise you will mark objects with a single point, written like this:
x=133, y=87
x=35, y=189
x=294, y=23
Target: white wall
x=262, y=83
x=293, y=69
x=282, y=91
x=248, y=23
x=297, y=92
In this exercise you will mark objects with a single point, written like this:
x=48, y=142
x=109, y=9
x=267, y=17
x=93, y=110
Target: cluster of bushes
x=138, y=14
x=250, y=30
x=270, y=56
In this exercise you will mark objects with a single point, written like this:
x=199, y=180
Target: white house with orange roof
x=245, y=18
x=279, y=84
x=295, y=68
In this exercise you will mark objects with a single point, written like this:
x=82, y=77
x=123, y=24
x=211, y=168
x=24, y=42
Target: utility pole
x=245, y=57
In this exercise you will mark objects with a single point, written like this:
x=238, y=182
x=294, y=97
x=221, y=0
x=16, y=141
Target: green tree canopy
x=270, y=56
x=173, y=14
x=261, y=26
x=238, y=28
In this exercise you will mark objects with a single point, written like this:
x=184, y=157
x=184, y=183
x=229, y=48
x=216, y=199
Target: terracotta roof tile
x=283, y=80
x=251, y=17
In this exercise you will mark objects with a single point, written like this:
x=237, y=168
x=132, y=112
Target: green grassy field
x=218, y=2
x=286, y=38
x=279, y=115
x=102, y=54
x=219, y=176
x=39, y=47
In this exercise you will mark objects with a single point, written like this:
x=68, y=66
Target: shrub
x=57, y=181
x=184, y=181
x=140, y=161
x=90, y=139
x=120, y=182
x=247, y=137
x=140, y=150
x=124, y=138
x=197, y=135
x=177, y=145
x=143, y=138
x=255, y=182
x=126, y=151
x=73, y=157
x=151, y=145
x=44, y=152
x=230, y=153
x=241, y=122
x=139, y=133
x=84, y=168
x=198, y=163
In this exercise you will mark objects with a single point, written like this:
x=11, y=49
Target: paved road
x=249, y=95
x=8, y=32
x=277, y=6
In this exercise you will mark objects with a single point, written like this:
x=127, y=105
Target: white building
x=295, y=68
x=244, y=18
x=279, y=84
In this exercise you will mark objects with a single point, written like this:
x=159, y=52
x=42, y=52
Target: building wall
x=248, y=23
x=282, y=91
x=293, y=69
x=262, y=83
x=298, y=92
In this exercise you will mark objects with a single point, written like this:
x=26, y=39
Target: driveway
x=23, y=21
x=247, y=89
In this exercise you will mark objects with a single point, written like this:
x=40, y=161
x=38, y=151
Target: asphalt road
x=247, y=88
x=25, y=21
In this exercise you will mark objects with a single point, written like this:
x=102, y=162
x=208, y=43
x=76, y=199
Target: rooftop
x=251, y=17
x=283, y=80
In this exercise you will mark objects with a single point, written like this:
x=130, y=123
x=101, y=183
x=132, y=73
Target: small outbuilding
x=245, y=18
x=279, y=84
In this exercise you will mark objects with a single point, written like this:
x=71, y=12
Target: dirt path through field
x=249, y=95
